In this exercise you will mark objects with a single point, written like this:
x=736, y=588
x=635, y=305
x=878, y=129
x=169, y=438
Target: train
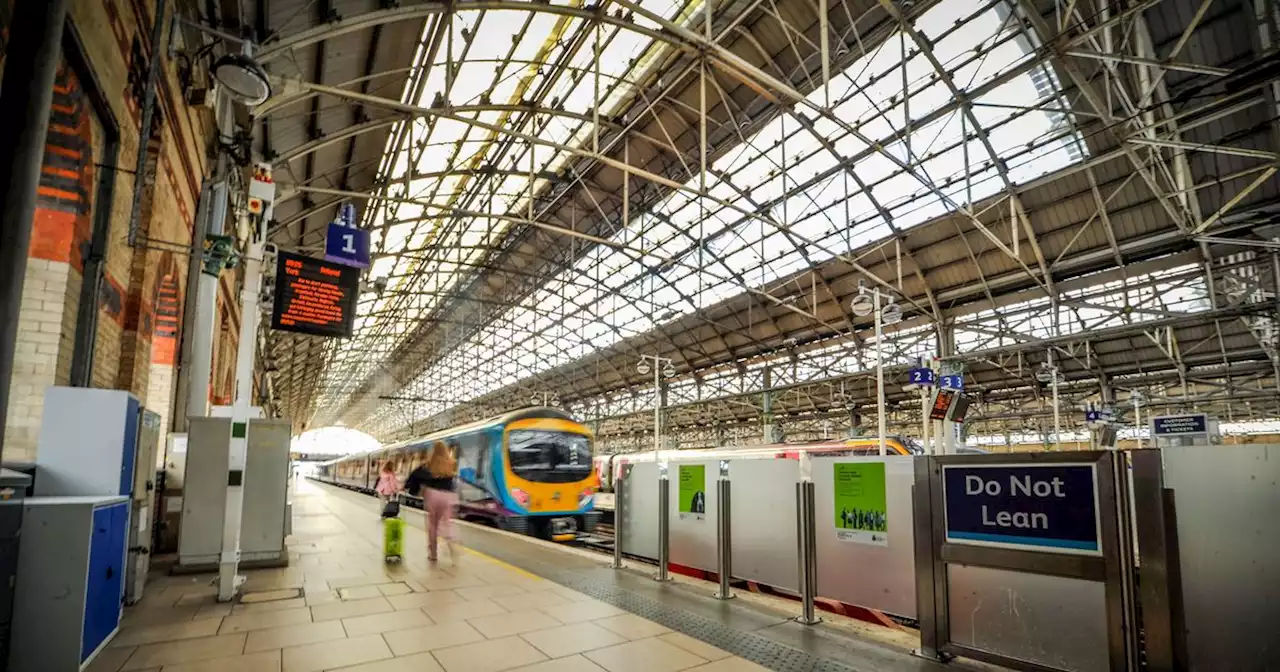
x=609, y=467
x=528, y=471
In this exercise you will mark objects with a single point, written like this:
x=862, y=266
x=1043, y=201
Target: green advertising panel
x=693, y=491
x=861, y=514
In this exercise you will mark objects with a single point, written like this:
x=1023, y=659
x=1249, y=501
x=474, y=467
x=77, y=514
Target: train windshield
x=545, y=456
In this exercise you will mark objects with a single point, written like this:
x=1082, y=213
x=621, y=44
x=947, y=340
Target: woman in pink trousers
x=439, y=497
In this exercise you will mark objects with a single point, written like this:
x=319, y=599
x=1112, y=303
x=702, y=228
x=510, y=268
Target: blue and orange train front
x=546, y=477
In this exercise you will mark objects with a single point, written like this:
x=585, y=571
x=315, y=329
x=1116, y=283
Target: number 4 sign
x=347, y=245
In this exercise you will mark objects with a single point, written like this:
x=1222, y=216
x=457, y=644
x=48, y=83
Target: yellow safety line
x=500, y=563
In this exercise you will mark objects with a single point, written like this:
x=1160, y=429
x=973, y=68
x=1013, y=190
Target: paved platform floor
x=338, y=606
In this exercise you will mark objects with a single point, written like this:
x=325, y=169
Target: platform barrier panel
x=693, y=534
x=1048, y=620
x=1227, y=500
x=874, y=573
x=639, y=524
x=763, y=515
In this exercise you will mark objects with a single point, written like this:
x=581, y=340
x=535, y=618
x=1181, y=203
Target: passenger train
x=528, y=471
x=609, y=467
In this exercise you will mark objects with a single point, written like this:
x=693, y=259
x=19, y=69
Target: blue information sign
x=347, y=215
x=921, y=375
x=1174, y=425
x=1035, y=507
x=952, y=382
x=346, y=245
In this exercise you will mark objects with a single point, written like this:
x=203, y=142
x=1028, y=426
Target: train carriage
x=528, y=471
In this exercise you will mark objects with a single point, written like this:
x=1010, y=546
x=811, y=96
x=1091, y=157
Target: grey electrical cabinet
x=71, y=566
x=204, y=499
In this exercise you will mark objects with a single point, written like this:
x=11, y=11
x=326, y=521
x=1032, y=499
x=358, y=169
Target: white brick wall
x=40, y=347
x=159, y=395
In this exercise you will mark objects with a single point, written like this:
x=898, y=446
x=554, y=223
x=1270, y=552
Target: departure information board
x=314, y=297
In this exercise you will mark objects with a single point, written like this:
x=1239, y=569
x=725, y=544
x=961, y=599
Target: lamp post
x=1135, y=396
x=1048, y=373
x=868, y=302
x=662, y=368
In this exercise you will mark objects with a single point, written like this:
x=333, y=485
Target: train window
x=549, y=457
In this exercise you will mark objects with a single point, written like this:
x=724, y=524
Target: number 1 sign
x=347, y=245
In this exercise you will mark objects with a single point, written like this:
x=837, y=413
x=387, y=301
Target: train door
x=473, y=463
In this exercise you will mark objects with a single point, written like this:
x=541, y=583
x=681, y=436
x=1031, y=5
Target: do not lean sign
x=1037, y=507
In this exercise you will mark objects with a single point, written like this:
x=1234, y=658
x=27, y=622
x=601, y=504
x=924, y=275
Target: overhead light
x=862, y=305
x=669, y=371
x=243, y=79
x=643, y=367
x=535, y=400
x=891, y=314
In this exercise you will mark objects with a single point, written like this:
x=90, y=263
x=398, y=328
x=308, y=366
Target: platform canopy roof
x=557, y=189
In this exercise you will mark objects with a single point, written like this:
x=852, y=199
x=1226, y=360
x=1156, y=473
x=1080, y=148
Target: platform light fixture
x=886, y=310
x=242, y=78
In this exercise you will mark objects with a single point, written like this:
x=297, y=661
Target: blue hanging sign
x=952, y=382
x=1050, y=508
x=921, y=375
x=347, y=245
x=1092, y=415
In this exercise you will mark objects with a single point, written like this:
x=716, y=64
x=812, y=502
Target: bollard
x=619, y=515
x=664, y=528
x=807, y=550
x=724, y=543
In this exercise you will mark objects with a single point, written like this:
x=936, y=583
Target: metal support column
x=807, y=548
x=664, y=528
x=31, y=61
x=724, y=540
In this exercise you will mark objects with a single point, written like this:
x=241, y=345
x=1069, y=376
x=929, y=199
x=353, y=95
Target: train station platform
x=506, y=602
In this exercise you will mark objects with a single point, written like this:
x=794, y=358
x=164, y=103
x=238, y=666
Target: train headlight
x=520, y=496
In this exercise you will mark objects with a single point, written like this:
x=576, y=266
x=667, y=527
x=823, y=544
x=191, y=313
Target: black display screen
x=314, y=297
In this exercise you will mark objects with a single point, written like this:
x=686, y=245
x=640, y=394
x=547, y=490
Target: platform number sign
x=952, y=382
x=921, y=375
x=347, y=245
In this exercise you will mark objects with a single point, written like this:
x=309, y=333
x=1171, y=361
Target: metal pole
x=202, y=331
x=924, y=420
x=1137, y=420
x=806, y=547
x=724, y=540
x=879, y=376
x=619, y=515
x=35, y=39
x=189, y=309
x=148, y=114
x=664, y=531
x=1057, y=415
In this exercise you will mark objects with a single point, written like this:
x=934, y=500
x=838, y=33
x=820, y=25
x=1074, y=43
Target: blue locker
x=70, y=590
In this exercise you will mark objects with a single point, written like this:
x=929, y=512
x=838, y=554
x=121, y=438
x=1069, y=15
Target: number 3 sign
x=347, y=245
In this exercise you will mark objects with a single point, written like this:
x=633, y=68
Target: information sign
x=693, y=491
x=1038, y=507
x=954, y=381
x=314, y=297
x=1175, y=425
x=942, y=403
x=347, y=245
x=861, y=513
x=921, y=375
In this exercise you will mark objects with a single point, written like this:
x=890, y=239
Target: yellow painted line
x=500, y=563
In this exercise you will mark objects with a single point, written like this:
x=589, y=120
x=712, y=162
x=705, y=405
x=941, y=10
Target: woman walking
x=439, y=498
x=387, y=485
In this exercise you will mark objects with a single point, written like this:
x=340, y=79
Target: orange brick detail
x=51, y=234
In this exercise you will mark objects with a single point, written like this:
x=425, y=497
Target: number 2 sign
x=346, y=245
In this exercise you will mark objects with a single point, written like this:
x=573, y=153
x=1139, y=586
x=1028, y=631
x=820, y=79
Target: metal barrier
x=724, y=540
x=664, y=527
x=1034, y=561
x=807, y=553
x=619, y=514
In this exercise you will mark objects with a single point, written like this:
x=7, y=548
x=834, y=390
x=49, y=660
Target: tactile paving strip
x=601, y=584
x=753, y=647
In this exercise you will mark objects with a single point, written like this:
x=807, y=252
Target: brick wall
x=129, y=350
